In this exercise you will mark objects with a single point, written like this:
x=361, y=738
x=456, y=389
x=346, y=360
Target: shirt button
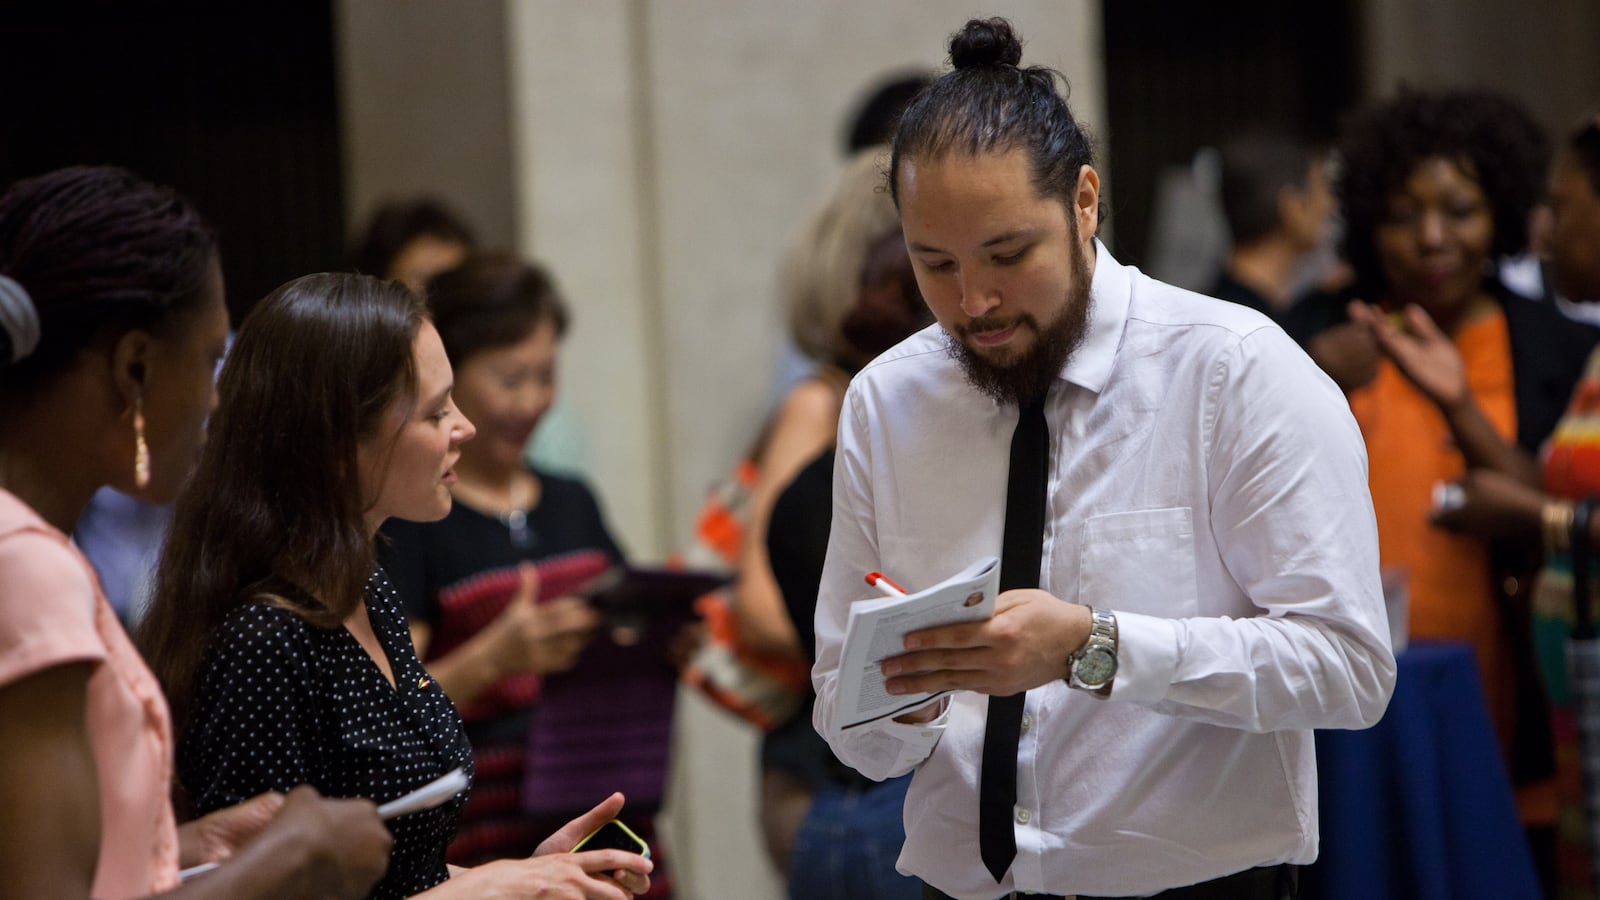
x=1023, y=816
x=1027, y=722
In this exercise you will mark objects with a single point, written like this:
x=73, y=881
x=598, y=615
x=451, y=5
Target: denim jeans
x=848, y=844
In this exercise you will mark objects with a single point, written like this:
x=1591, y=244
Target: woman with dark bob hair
x=1459, y=374
x=111, y=323
x=282, y=646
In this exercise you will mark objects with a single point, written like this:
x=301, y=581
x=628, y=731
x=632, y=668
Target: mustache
x=989, y=323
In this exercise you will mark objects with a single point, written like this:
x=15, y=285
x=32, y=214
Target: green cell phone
x=614, y=835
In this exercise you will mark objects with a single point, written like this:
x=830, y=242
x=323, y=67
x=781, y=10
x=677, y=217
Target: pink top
x=51, y=613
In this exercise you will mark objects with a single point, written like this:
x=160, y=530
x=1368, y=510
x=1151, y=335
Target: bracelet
x=1555, y=518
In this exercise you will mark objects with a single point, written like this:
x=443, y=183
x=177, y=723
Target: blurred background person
x=416, y=238
x=1497, y=503
x=1278, y=202
x=111, y=322
x=121, y=537
x=752, y=665
x=1434, y=187
x=412, y=240
x=877, y=112
x=851, y=295
x=873, y=117
x=487, y=620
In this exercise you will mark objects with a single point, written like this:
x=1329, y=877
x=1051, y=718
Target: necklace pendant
x=521, y=535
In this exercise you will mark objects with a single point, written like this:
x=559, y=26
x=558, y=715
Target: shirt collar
x=1090, y=365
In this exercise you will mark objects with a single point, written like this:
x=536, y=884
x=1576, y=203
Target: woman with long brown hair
x=279, y=640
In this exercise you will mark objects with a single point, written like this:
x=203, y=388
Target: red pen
x=886, y=584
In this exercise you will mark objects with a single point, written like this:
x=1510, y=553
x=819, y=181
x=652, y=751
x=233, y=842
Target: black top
x=439, y=568
x=426, y=559
x=797, y=544
x=280, y=702
x=456, y=575
x=1226, y=287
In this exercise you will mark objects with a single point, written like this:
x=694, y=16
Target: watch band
x=1093, y=666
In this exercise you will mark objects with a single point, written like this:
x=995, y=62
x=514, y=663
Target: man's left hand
x=1025, y=644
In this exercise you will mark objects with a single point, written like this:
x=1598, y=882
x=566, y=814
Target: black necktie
x=1020, y=552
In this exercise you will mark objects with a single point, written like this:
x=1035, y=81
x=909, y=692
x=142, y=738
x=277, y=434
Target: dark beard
x=1027, y=379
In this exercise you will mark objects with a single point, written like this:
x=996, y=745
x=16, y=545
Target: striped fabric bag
x=762, y=691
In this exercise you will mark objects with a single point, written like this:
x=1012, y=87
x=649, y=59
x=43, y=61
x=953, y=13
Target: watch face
x=1095, y=667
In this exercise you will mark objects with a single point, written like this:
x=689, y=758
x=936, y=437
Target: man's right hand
x=1023, y=645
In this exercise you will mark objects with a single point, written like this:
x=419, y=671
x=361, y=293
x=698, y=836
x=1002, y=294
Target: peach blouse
x=52, y=612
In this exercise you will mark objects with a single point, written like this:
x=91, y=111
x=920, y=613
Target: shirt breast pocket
x=1140, y=561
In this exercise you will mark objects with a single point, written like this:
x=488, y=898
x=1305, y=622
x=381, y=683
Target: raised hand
x=542, y=637
x=1424, y=355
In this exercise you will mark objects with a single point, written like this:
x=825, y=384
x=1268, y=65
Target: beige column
x=423, y=100
x=586, y=206
x=1539, y=51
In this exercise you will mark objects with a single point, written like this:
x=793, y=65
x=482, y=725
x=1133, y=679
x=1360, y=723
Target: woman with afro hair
x=1448, y=371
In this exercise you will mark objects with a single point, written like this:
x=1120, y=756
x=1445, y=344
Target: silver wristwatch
x=1094, y=664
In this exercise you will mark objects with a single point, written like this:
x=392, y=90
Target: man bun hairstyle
x=985, y=42
x=987, y=103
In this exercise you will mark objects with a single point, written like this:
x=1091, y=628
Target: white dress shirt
x=1208, y=486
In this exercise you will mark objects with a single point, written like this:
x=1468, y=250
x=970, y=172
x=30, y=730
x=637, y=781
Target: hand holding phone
x=613, y=835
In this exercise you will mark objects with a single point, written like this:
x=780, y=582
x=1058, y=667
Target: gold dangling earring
x=141, y=450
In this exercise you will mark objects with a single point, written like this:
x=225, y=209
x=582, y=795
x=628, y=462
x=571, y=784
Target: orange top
x=52, y=612
x=1409, y=448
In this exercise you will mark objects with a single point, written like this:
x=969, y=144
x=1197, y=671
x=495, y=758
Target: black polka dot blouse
x=280, y=702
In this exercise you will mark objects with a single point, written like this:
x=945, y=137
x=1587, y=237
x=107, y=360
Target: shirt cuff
x=1147, y=657
x=916, y=742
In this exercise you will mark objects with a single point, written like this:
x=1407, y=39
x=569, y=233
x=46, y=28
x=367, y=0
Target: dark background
x=1183, y=76
x=234, y=104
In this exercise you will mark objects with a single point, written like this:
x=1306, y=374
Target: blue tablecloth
x=1419, y=806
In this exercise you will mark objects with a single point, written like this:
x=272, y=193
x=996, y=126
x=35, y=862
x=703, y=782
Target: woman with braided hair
x=111, y=322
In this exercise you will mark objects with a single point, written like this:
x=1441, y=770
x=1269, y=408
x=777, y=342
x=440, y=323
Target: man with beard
x=1189, y=563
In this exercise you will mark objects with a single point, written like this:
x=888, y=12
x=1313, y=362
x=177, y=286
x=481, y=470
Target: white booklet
x=877, y=629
